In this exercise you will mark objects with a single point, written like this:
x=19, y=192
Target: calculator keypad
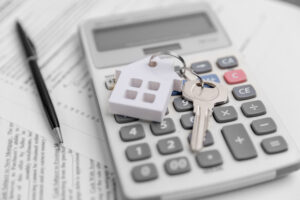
x=138, y=152
x=235, y=135
x=253, y=108
x=169, y=146
x=165, y=127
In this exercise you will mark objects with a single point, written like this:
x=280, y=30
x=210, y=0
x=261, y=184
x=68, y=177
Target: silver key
x=204, y=100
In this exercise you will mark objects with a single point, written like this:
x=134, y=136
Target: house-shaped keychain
x=143, y=91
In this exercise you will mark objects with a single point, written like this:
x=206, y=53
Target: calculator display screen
x=138, y=34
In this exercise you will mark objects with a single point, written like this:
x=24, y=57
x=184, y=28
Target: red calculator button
x=235, y=76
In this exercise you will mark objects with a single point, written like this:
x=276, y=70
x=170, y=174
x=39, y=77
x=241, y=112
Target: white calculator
x=246, y=142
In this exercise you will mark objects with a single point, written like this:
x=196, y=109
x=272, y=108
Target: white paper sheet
x=33, y=168
x=30, y=166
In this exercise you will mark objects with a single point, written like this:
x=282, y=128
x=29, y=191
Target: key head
x=215, y=94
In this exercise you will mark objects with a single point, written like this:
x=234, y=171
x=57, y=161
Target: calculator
x=246, y=142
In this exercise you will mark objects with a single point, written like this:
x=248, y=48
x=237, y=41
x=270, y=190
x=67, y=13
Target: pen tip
x=58, y=135
x=19, y=26
x=18, y=23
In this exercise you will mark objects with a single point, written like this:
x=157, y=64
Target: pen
x=31, y=57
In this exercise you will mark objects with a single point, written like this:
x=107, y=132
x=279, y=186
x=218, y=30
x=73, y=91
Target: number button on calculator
x=145, y=172
x=169, y=146
x=165, y=127
x=177, y=166
x=132, y=132
x=138, y=152
x=187, y=120
x=208, y=139
x=182, y=105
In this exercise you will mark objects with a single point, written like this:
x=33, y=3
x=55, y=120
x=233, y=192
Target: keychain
x=143, y=88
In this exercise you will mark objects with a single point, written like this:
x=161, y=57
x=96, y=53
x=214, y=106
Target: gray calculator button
x=208, y=139
x=225, y=114
x=208, y=159
x=274, y=145
x=144, y=172
x=227, y=62
x=201, y=67
x=169, y=146
x=165, y=127
x=187, y=120
x=138, y=152
x=182, y=105
x=253, y=108
x=263, y=126
x=121, y=119
x=244, y=92
x=239, y=142
x=132, y=132
x=177, y=166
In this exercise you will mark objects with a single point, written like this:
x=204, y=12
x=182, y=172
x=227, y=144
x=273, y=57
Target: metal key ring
x=153, y=63
x=183, y=69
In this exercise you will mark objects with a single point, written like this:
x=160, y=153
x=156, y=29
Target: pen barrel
x=44, y=95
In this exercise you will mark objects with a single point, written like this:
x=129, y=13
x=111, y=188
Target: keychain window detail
x=136, y=82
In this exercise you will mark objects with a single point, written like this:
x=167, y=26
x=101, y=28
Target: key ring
x=182, y=70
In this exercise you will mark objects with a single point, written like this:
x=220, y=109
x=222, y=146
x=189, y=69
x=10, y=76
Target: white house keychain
x=143, y=88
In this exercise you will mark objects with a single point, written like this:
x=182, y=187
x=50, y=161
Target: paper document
x=34, y=169
x=30, y=165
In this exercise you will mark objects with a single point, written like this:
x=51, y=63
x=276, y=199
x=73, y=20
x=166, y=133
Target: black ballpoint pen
x=31, y=57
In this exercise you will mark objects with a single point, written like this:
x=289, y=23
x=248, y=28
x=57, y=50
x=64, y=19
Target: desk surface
x=267, y=33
